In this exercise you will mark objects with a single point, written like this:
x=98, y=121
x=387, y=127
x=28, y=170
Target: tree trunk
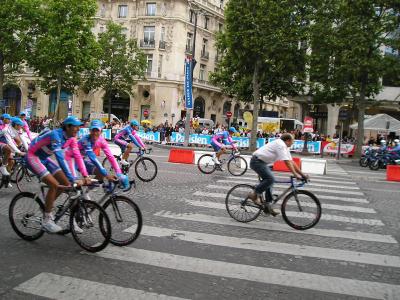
x=361, y=116
x=56, y=114
x=109, y=106
x=1, y=75
x=256, y=99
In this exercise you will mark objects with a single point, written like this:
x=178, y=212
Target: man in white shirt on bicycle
x=276, y=150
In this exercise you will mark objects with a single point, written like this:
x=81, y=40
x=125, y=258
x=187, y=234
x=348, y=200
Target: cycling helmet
x=22, y=113
x=96, y=124
x=6, y=116
x=134, y=123
x=72, y=120
x=396, y=141
x=383, y=142
x=16, y=121
x=232, y=129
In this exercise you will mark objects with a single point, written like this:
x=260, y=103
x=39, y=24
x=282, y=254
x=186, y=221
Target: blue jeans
x=268, y=179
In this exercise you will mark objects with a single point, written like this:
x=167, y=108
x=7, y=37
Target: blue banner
x=106, y=133
x=149, y=136
x=204, y=139
x=298, y=145
x=188, y=84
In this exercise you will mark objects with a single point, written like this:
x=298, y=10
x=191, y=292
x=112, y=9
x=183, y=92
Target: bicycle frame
x=292, y=188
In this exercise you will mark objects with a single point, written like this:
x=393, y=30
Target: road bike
x=87, y=220
x=237, y=165
x=22, y=176
x=300, y=209
x=145, y=168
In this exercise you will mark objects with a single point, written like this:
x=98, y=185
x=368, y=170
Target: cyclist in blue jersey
x=219, y=142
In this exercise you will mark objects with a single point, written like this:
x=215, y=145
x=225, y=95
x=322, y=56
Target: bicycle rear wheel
x=239, y=206
x=146, y=169
x=301, y=210
x=23, y=179
x=126, y=220
x=91, y=218
x=206, y=164
x=26, y=214
x=237, y=166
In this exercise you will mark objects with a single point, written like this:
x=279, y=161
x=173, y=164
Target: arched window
x=120, y=104
x=227, y=107
x=199, y=107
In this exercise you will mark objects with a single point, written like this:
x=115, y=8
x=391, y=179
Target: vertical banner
x=308, y=124
x=69, y=105
x=188, y=84
x=28, y=108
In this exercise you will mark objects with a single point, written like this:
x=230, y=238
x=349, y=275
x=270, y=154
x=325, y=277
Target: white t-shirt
x=273, y=151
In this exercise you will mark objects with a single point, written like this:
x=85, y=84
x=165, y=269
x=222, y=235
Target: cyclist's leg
x=128, y=150
x=6, y=152
x=262, y=169
x=123, y=145
x=217, y=150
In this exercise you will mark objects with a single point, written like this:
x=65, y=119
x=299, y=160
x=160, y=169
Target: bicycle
x=22, y=175
x=237, y=165
x=145, y=168
x=124, y=214
x=26, y=214
x=241, y=208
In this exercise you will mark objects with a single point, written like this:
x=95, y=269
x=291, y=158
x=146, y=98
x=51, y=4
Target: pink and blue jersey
x=221, y=138
x=128, y=133
x=27, y=130
x=54, y=142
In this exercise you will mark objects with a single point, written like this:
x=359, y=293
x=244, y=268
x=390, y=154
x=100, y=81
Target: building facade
x=164, y=30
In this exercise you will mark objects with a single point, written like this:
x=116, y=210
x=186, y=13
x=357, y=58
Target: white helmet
x=383, y=142
x=396, y=141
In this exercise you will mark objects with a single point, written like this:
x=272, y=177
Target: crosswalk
x=350, y=235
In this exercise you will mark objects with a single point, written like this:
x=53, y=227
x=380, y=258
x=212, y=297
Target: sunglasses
x=95, y=130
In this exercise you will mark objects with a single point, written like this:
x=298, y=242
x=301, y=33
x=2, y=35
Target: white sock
x=48, y=216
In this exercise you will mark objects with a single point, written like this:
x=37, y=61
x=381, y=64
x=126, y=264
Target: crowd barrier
x=281, y=166
x=181, y=156
x=393, y=173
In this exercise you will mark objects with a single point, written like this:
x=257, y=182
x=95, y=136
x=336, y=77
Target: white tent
x=380, y=122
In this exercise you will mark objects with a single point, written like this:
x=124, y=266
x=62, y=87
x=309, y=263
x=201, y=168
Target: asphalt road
x=190, y=248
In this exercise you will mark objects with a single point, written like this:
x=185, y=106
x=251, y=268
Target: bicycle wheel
x=364, y=162
x=374, y=165
x=107, y=165
x=13, y=172
x=26, y=214
x=239, y=206
x=145, y=169
x=23, y=179
x=301, y=210
x=206, y=164
x=91, y=218
x=126, y=220
x=237, y=166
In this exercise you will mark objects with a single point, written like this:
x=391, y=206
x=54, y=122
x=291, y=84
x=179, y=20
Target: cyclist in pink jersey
x=55, y=142
x=219, y=142
x=5, y=149
x=25, y=127
x=129, y=133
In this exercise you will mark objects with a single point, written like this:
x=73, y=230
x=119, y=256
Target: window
x=124, y=31
x=204, y=47
x=101, y=29
x=221, y=4
x=103, y=10
x=149, y=32
x=191, y=16
x=151, y=9
x=122, y=11
x=160, y=62
x=206, y=22
x=202, y=74
x=189, y=42
x=162, y=37
x=220, y=27
x=149, y=68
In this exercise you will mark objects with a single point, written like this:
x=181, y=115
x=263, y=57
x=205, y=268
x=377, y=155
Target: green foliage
x=269, y=32
x=18, y=23
x=119, y=62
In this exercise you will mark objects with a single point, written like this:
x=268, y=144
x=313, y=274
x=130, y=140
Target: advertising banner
x=149, y=136
x=332, y=147
x=106, y=133
x=188, y=84
x=308, y=124
x=298, y=145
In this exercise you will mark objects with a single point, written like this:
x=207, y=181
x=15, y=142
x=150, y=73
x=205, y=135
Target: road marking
x=254, y=178
x=311, y=189
x=324, y=205
x=303, y=215
x=329, y=284
x=354, y=235
x=267, y=246
x=320, y=197
x=68, y=288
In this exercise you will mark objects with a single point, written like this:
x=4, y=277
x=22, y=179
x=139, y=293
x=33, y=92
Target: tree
x=119, y=63
x=262, y=51
x=18, y=23
x=63, y=50
x=347, y=61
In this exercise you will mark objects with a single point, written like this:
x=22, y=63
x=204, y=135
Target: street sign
x=145, y=113
x=228, y=114
x=188, y=84
x=308, y=124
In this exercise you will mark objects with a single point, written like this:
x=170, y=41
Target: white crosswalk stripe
x=254, y=178
x=330, y=284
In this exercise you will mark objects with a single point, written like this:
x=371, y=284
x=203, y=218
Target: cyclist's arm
x=27, y=130
x=78, y=157
x=139, y=140
x=216, y=142
x=230, y=140
x=134, y=140
x=110, y=157
x=62, y=162
x=11, y=142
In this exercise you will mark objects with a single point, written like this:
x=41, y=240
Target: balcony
x=205, y=54
x=162, y=45
x=147, y=44
x=189, y=49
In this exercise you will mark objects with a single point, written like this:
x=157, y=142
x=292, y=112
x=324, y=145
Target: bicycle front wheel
x=126, y=220
x=23, y=179
x=237, y=166
x=206, y=164
x=301, y=210
x=26, y=214
x=146, y=169
x=107, y=165
x=239, y=206
x=92, y=228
